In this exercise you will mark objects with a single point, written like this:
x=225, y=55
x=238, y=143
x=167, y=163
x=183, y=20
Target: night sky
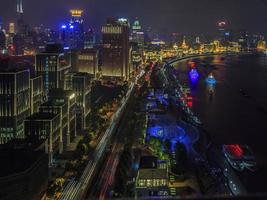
x=183, y=16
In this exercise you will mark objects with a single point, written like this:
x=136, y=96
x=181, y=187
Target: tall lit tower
x=19, y=7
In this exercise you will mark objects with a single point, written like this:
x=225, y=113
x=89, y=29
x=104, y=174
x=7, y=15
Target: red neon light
x=235, y=150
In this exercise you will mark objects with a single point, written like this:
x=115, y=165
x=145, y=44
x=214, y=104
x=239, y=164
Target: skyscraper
x=72, y=35
x=19, y=7
x=52, y=64
x=14, y=101
x=116, y=49
x=137, y=43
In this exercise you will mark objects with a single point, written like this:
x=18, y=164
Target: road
x=76, y=189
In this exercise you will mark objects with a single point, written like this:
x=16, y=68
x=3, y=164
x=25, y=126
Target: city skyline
x=238, y=14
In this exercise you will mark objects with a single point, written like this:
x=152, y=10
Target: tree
x=180, y=158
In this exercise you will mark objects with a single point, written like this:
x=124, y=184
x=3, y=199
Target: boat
x=240, y=157
x=194, y=75
x=211, y=80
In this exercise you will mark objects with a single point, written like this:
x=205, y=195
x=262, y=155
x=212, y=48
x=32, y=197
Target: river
x=230, y=116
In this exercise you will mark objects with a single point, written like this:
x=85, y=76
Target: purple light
x=72, y=27
x=194, y=75
x=63, y=26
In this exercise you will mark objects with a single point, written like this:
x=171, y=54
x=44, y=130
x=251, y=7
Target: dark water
x=230, y=116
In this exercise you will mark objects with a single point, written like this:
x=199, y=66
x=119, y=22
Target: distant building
x=137, y=44
x=45, y=126
x=11, y=28
x=86, y=61
x=116, y=49
x=14, y=101
x=52, y=65
x=72, y=35
x=2, y=40
x=90, y=39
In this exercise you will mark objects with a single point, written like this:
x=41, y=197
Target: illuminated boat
x=194, y=75
x=211, y=80
x=240, y=157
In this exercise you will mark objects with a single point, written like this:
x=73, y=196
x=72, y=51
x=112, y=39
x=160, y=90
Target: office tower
x=37, y=93
x=2, y=40
x=69, y=98
x=116, y=61
x=56, y=106
x=1, y=24
x=137, y=44
x=45, y=126
x=22, y=27
x=86, y=61
x=138, y=34
x=11, y=28
x=89, y=39
x=82, y=88
x=72, y=35
x=52, y=65
x=14, y=101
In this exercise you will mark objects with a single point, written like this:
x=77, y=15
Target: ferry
x=193, y=74
x=240, y=157
x=211, y=80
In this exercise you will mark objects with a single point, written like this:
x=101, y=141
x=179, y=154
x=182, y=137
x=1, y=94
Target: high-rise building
x=45, y=126
x=69, y=98
x=116, y=49
x=2, y=40
x=52, y=65
x=86, y=61
x=11, y=28
x=1, y=24
x=37, y=94
x=82, y=88
x=14, y=101
x=137, y=42
x=72, y=35
x=90, y=39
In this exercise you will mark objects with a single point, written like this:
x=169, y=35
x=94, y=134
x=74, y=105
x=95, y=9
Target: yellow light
x=72, y=96
x=76, y=13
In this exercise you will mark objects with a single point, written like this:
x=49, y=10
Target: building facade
x=14, y=102
x=116, y=49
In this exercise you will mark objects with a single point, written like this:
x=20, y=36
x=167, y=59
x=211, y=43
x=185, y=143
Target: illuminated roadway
x=76, y=189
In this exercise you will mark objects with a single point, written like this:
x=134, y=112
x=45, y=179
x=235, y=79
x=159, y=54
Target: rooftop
x=41, y=116
x=153, y=174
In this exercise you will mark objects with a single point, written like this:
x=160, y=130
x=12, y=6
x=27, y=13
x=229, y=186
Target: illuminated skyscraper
x=137, y=43
x=52, y=64
x=116, y=59
x=72, y=34
x=11, y=28
x=19, y=7
x=14, y=101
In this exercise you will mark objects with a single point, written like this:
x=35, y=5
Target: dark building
x=52, y=65
x=45, y=126
x=82, y=88
x=24, y=171
x=14, y=101
x=2, y=40
x=116, y=49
